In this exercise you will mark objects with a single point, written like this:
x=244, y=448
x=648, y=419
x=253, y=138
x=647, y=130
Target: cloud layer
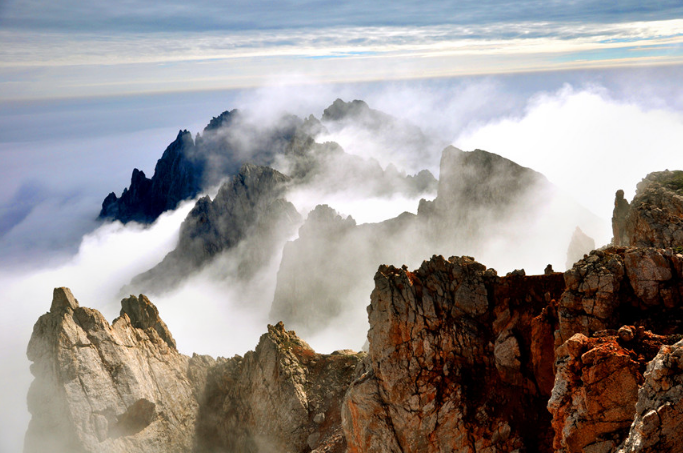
x=205, y=15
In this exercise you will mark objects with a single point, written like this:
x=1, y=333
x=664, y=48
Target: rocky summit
x=123, y=387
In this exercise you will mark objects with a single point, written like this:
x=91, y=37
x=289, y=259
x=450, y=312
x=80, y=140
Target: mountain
x=479, y=195
x=123, y=387
x=177, y=177
x=460, y=359
x=249, y=210
x=189, y=167
x=250, y=218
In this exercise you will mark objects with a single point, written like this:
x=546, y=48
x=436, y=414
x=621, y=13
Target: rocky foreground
x=460, y=360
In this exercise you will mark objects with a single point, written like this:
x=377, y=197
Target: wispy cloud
x=86, y=64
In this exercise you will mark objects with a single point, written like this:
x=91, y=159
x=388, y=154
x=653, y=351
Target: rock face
x=189, y=166
x=125, y=388
x=453, y=363
x=249, y=210
x=620, y=306
x=658, y=425
x=177, y=177
x=655, y=216
x=463, y=360
x=280, y=397
x=108, y=388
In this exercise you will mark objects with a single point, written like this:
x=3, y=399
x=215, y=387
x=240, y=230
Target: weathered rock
x=655, y=218
x=125, y=388
x=273, y=398
x=615, y=286
x=658, y=424
x=621, y=209
x=595, y=391
x=450, y=367
x=108, y=388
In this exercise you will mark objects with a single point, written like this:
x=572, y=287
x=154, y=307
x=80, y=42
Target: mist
x=589, y=136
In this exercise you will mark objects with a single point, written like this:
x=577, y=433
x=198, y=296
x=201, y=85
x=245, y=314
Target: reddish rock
x=450, y=366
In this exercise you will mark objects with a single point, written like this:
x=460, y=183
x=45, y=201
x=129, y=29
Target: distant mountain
x=189, y=167
x=236, y=219
x=249, y=210
x=478, y=193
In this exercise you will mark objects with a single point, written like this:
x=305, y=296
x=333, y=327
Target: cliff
x=177, y=177
x=124, y=387
x=249, y=210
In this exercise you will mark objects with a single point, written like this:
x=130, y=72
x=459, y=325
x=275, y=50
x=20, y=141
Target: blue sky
x=56, y=49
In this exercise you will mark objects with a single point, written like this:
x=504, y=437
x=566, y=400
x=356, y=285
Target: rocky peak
x=62, y=299
x=103, y=387
x=249, y=209
x=324, y=222
x=340, y=110
x=176, y=178
x=480, y=178
x=655, y=216
x=222, y=120
x=144, y=315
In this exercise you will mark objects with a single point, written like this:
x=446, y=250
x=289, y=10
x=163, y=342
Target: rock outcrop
x=281, y=397
x=177, y=177
x=655, y=216
x=249, y=211
x=109, y=388
x=125, y=388
x=460, y=360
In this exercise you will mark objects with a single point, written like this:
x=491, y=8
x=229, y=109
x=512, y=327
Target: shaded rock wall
x=453, y=363
x=249, y=210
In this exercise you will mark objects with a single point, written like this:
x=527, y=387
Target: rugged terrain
x=190, y=166
x=460, y=359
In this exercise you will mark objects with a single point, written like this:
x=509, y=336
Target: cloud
x=205, y=15
x=45, y=64
x=106, y=259
x=586, y=142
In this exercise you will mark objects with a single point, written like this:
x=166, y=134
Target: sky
x=73, y=48
x=586, y=92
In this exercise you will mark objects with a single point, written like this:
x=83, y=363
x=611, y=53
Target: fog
x=589, y=134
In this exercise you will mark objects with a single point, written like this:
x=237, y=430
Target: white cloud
x=586, y=143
